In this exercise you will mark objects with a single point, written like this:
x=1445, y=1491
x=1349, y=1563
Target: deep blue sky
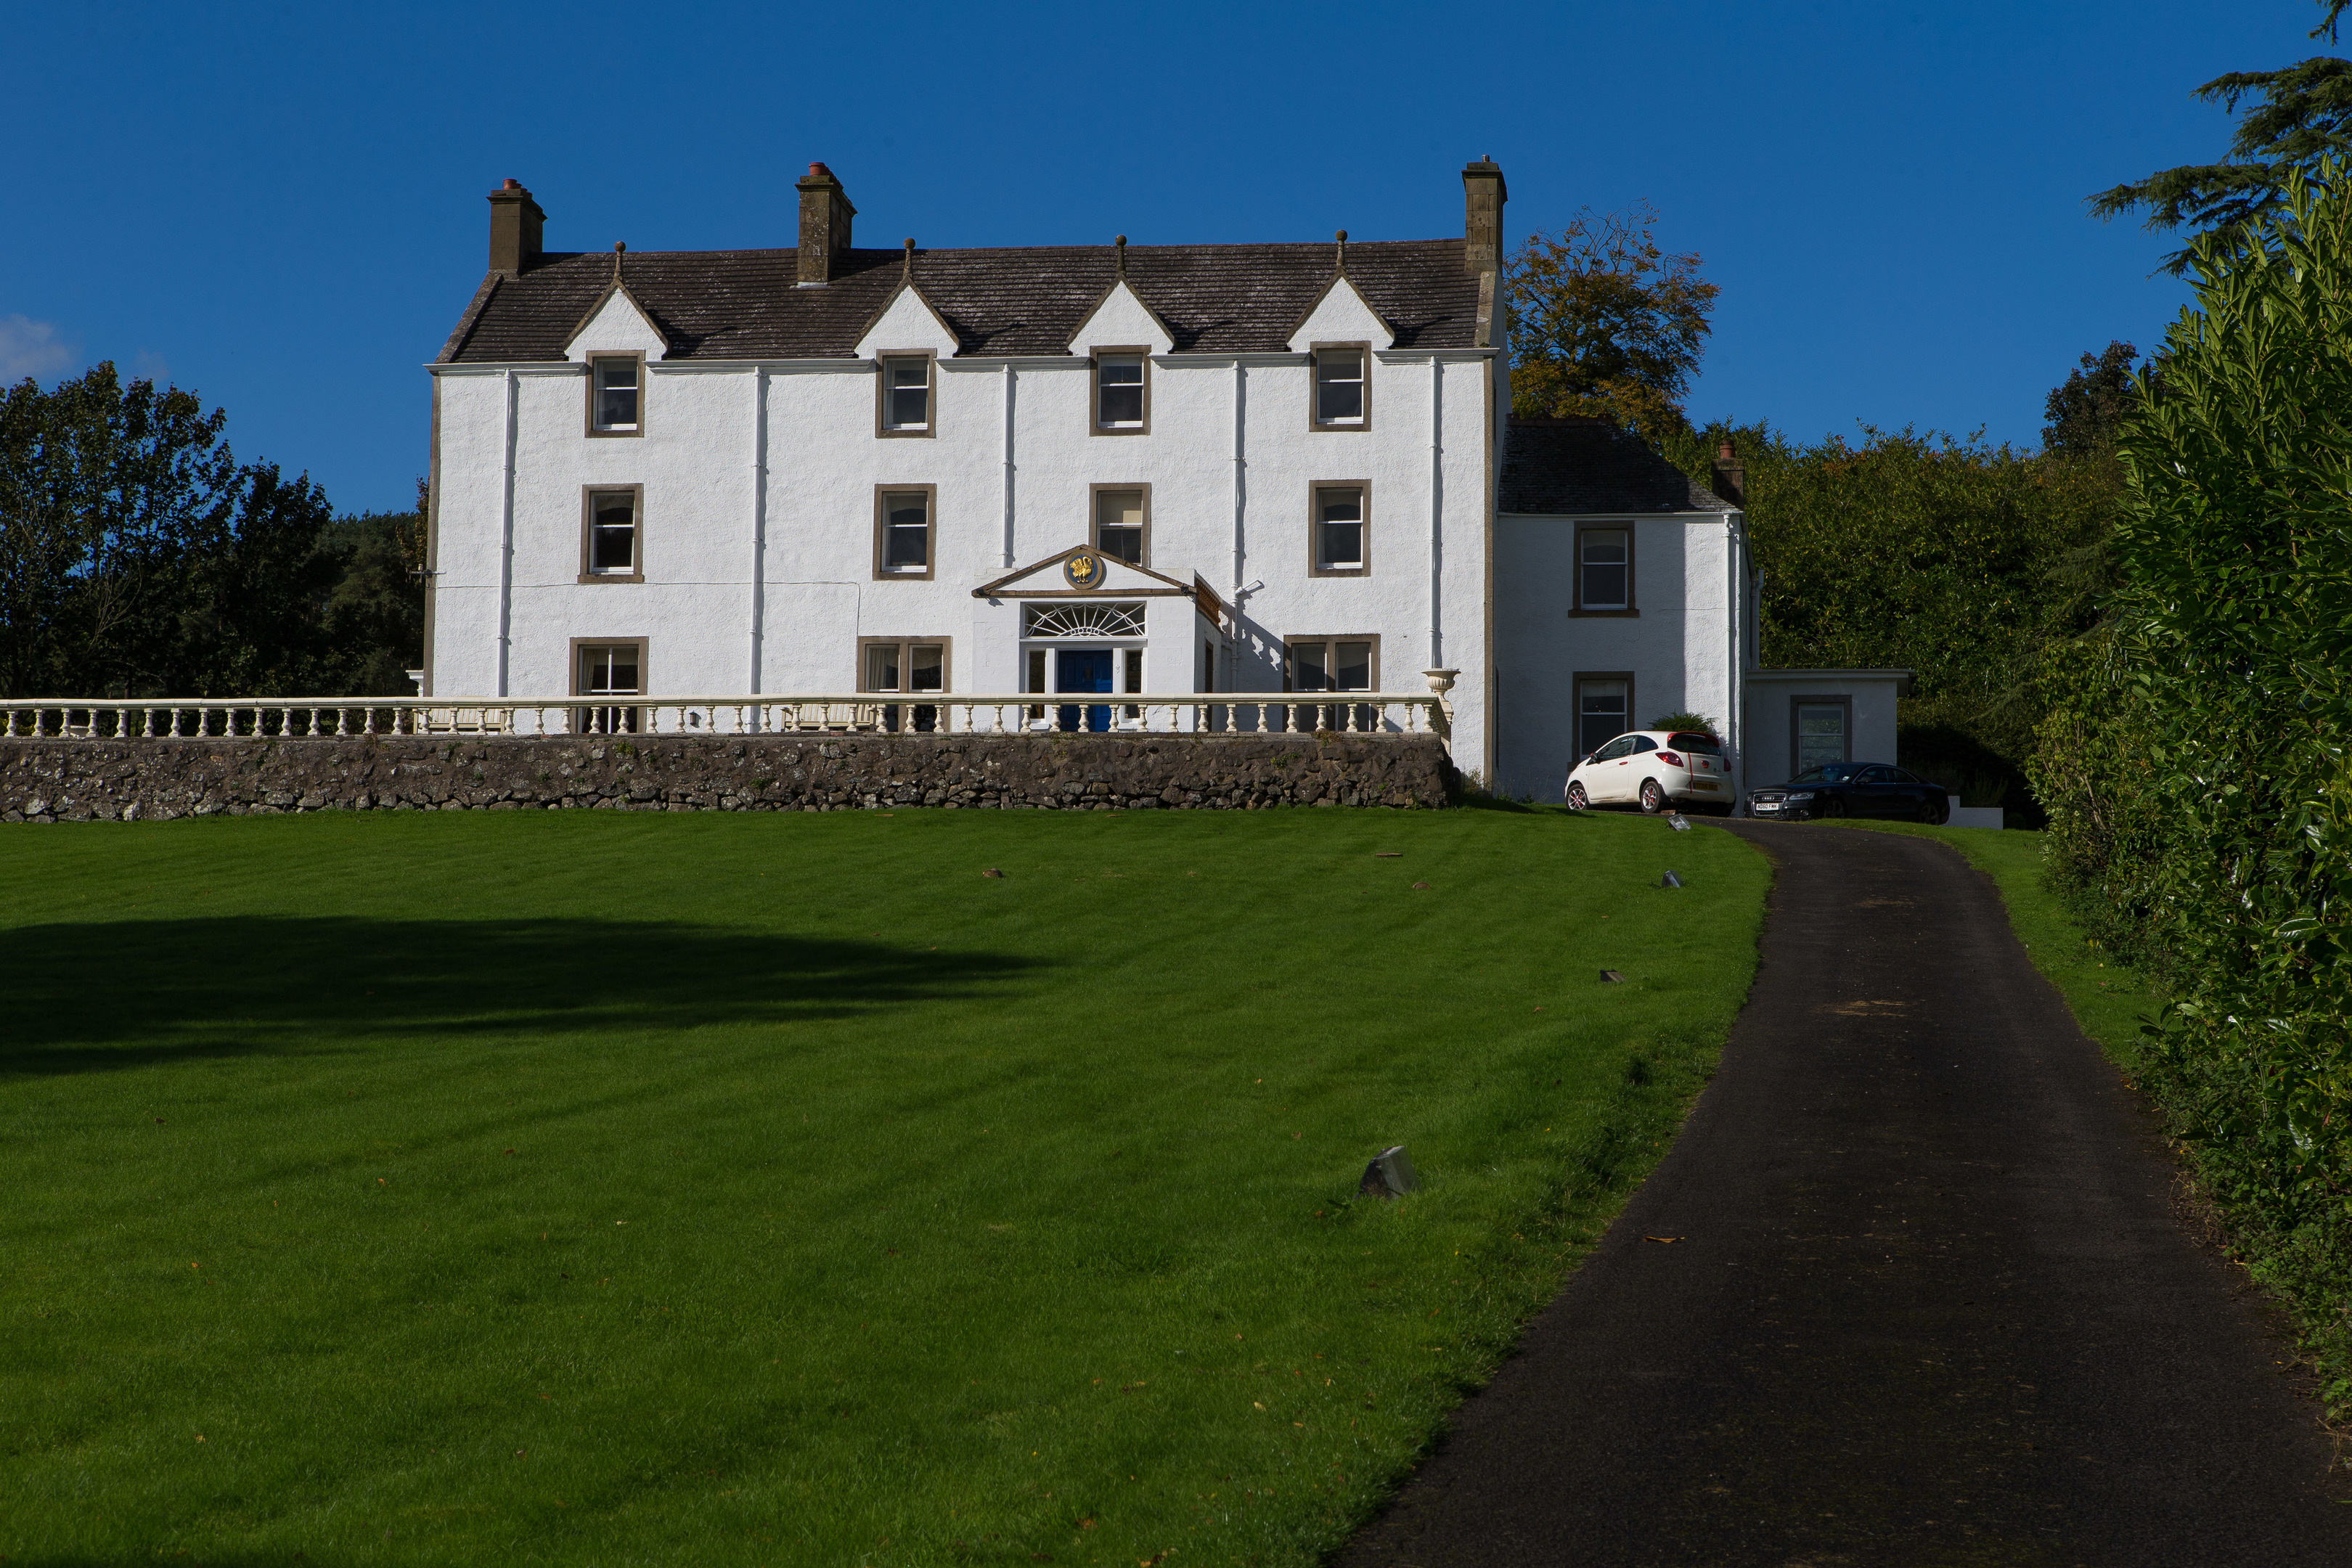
x=282, y=206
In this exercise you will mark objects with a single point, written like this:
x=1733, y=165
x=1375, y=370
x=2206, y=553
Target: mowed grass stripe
x=617, y=1188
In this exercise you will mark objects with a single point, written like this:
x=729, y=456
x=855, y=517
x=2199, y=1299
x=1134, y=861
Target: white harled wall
x=1677, y=648
x=701, y=440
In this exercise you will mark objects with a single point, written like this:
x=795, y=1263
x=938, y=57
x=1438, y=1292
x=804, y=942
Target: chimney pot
x=825, y=215
x=1730, y=476
x=516, y=223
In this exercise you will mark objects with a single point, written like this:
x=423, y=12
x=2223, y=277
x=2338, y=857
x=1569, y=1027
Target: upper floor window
x=1120, y=523
x=1122, y=405
x=907, y=395
x=902, y=532
x=1604, y=570
x=615, y=389
x=611, y=523
x=1341, y=400
x=1339, y=544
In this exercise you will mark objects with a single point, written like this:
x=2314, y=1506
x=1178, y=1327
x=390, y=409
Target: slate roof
x=1576, y=467
x=745, y=304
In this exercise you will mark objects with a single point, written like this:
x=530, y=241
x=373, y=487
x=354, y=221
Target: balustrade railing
x=1211, y=713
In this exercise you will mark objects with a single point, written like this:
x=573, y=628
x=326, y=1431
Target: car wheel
x=1577, y=799
x=1935, y=811
x=1654, y=799
x=1831, y=808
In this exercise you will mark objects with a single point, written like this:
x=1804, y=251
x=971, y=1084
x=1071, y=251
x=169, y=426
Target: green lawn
x=615, y=1188
x=2108, y=1000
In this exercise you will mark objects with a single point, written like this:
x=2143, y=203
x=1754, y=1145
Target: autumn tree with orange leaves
x=1606, y=321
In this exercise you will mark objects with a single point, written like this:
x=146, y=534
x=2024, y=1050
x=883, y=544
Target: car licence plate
x=1705, y=783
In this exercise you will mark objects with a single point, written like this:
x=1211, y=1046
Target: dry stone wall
x=61, y=780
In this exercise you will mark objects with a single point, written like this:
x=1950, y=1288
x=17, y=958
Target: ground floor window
x=1602, y=704
x=1821, y=731
x=603, y=668
x=904, y=665
x=1332, y=664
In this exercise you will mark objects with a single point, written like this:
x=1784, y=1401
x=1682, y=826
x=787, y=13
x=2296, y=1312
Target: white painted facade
x=758, y=565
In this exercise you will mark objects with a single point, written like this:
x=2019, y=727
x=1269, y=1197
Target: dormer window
x=1340, y=387
x=1120, y=404
x=906, y=395
x=615, y=389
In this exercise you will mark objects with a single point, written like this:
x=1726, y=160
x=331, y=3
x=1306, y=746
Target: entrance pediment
x=1082, y=572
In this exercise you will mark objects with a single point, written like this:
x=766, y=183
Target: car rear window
x=1704, y=745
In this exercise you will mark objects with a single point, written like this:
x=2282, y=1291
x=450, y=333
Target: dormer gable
x=616, y=324
x=1341, y=315
x=908, y=322
x=1120, y=319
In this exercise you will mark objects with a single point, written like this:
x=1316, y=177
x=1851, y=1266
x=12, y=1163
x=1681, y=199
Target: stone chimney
x=1730, y=476
x=826, y=213
x=515, y=225
x=1483, y=196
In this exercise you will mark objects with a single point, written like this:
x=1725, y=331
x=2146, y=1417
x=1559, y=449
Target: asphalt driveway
x=1930, y=1303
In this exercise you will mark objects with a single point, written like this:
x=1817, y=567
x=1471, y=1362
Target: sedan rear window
x=1704, y=745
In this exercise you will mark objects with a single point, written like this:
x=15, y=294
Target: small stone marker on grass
x=1611, y=976
x=1389, y=1176
x=1670, y=881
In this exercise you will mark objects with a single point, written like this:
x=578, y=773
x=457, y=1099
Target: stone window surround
x=947, y=663
x=588, y=494
x=1331, y=640
x=579, y=646
x=1314, y=387
x=597, y=432
x=883, y=428
x=1094, y=518
x=1143, y=355
x=930, y=494
x=1314, y=567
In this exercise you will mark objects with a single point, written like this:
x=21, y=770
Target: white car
x=1655, y=770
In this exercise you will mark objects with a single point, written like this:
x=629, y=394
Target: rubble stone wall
x=136, y=780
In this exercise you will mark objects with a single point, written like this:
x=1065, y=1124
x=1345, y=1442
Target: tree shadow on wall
x=92, y=996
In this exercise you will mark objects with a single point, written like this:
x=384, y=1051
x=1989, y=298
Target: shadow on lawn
x=83, y=997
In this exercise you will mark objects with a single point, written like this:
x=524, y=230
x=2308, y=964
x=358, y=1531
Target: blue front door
x=1083, y=669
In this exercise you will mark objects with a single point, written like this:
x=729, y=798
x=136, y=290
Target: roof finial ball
x=1120, y=242
x=910, y=256
x=1343, y=264
x=619, y=247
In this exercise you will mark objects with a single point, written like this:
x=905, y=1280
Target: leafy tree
x=2087, y=409
x=1944, y=556
x=139, y=558
x=2197, y=752
x=1605, y=322
x=2299, y=115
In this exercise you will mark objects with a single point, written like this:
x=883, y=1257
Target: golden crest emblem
x=1081, y=569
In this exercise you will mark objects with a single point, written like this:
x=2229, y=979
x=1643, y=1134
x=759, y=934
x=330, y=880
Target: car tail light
x=1670, y=759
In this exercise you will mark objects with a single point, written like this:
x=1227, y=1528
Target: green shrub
x=2193, y=755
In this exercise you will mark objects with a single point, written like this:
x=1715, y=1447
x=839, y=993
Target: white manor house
x=1063, y=470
